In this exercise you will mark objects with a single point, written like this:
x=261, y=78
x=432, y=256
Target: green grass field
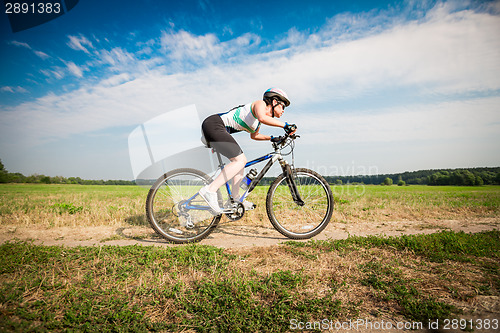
x=77, y=205
x=408, y=280
x=197, y=288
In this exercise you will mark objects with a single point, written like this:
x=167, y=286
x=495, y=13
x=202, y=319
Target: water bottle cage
x=245, y=183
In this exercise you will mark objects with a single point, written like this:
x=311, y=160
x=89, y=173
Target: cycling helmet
x=277, y=93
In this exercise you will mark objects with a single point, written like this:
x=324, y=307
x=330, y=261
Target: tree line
x=460, y=177
x=7, y=177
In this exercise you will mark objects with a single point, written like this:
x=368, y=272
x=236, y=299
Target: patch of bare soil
x=233, y=234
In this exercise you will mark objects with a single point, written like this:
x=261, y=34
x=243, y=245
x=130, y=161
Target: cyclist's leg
x=216, y=134
x=233, y=170
x=235, y=189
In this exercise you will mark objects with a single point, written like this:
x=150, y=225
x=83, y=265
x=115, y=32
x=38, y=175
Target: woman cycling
x=217, y=130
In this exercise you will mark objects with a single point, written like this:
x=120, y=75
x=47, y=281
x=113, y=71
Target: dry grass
x=181, y=286
x=202, y=288
x=415, y=203
x=71, y=214
x=340, y=272
x=51, y=206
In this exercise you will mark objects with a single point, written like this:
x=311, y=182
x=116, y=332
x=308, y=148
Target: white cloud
x=117, y=58
x=42, y=55
x=116, y=80
x=447, y=53
x=58, y=73
x=80, y=43
x=293, y=38
x=21, y=44
x=185, y=47
x=7, y=89
x=475, y=118
x=10, y=89
x=74, y=69
x=456, y=53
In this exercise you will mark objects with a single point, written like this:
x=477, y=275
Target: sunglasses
x=281, y=103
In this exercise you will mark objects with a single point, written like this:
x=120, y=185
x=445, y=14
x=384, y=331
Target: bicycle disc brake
x=189, y=222
x=179, y=211
x=178, y=208
x=234, y=210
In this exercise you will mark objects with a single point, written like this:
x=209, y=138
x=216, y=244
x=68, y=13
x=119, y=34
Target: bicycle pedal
x=249, y=205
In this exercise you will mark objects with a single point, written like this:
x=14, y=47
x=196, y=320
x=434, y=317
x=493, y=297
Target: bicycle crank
x=234, y=210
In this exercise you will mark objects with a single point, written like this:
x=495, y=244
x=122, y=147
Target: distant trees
x=7, y=177
x=388, y=181
x=3, y=173
x=462, y=177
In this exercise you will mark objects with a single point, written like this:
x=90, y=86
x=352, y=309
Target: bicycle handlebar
x=282, y=140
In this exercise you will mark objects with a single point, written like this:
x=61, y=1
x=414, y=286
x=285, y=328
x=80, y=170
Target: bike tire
x=293, y=220
x=162, y=206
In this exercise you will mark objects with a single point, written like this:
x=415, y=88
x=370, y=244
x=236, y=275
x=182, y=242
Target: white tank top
x=240, y=119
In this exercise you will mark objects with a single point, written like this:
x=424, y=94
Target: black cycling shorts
x=218, y=138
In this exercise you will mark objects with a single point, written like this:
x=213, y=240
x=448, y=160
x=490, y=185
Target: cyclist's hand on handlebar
x=290, y=128
x=276, y=139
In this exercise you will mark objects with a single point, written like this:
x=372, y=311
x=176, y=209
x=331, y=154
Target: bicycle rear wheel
x=300, y=221
x=167, y=214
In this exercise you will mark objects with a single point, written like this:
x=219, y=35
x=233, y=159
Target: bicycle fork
x=287, y=172
x=290, y=181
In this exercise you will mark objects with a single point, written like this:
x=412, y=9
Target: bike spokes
x=176, y=211
x=305, y=218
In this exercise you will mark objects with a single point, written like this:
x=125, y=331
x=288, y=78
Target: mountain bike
x=299, y=202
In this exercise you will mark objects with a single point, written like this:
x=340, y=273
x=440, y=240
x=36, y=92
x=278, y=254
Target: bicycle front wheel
x=300, y=221
x=170, y=207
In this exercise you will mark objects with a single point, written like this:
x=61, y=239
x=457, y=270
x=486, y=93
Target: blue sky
x=376, y=86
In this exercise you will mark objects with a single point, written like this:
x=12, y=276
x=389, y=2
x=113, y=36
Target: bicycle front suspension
x=287, y=170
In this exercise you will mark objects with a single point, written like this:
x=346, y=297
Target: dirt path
x=232, y=234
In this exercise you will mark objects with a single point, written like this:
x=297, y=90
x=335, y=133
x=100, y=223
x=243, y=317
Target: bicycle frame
x=272, y=157
x=179, y=213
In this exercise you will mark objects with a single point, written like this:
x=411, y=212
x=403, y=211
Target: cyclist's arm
x=259, y=109
x=259, y=136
